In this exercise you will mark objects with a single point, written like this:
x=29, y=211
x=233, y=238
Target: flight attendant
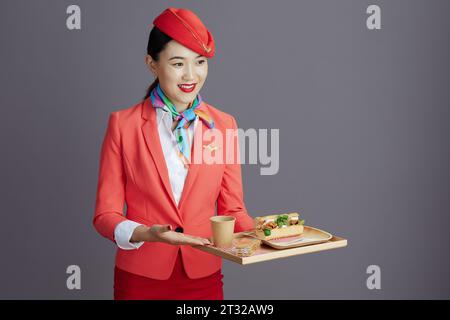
x=152, y=200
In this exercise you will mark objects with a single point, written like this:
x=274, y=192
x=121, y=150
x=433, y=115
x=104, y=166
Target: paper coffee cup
x=222, y=230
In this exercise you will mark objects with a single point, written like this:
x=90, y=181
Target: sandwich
x=278, y=226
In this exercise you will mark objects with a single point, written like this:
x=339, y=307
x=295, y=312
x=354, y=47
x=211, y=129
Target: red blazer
x=133, y=170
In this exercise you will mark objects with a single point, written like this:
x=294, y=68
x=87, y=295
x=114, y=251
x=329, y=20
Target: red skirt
x=130, y=286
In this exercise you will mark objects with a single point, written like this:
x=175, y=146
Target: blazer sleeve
x=110, y=197
x=231, y=197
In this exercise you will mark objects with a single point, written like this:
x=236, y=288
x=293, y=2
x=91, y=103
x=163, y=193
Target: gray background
x=363, y=118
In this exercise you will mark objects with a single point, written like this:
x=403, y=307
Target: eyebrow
x=182, y=58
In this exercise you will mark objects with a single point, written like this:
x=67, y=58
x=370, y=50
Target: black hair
x=157, y=41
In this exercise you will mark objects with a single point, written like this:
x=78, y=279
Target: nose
x=188, y=73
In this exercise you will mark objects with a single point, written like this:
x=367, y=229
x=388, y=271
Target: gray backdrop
x=363, y=118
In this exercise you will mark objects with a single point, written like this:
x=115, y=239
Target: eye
x=202, y=61
x=178, y=64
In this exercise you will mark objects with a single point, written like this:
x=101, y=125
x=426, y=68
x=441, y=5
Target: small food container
x=244, y=247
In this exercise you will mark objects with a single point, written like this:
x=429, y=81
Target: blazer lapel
x=152, y=140
x=194, y=168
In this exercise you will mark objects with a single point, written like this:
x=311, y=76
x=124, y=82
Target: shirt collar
x=162, y=113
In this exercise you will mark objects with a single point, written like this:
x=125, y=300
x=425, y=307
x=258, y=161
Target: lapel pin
x=211, y=147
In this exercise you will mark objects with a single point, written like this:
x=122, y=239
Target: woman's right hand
x=163, y=233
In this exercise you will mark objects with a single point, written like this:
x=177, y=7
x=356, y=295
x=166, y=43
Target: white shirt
x=175, y=167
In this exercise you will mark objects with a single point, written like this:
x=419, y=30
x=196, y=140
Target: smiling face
x=181, y=73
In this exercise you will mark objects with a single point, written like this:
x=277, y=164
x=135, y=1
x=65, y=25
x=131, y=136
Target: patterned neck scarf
x=196, y=109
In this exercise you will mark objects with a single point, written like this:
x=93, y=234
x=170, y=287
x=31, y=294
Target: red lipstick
x=187, y=87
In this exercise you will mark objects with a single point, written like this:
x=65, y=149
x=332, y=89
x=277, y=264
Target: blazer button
x=179, y=229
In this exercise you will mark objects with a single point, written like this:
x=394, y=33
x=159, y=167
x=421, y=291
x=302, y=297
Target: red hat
x=185, y=27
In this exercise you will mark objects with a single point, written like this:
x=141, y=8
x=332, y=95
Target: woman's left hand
x=162, y=233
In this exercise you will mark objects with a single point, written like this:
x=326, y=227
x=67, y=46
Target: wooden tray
x=267, y=252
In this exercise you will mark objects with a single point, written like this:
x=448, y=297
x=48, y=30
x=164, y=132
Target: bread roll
x=278, y=226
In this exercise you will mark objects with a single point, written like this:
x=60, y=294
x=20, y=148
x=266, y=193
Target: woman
x=146, y=162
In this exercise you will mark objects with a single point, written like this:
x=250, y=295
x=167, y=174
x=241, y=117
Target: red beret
x=185, y=27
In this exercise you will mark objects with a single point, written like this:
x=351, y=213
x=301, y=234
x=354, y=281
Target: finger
x=193, y=238
x=190, y=240
x=201, y=241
